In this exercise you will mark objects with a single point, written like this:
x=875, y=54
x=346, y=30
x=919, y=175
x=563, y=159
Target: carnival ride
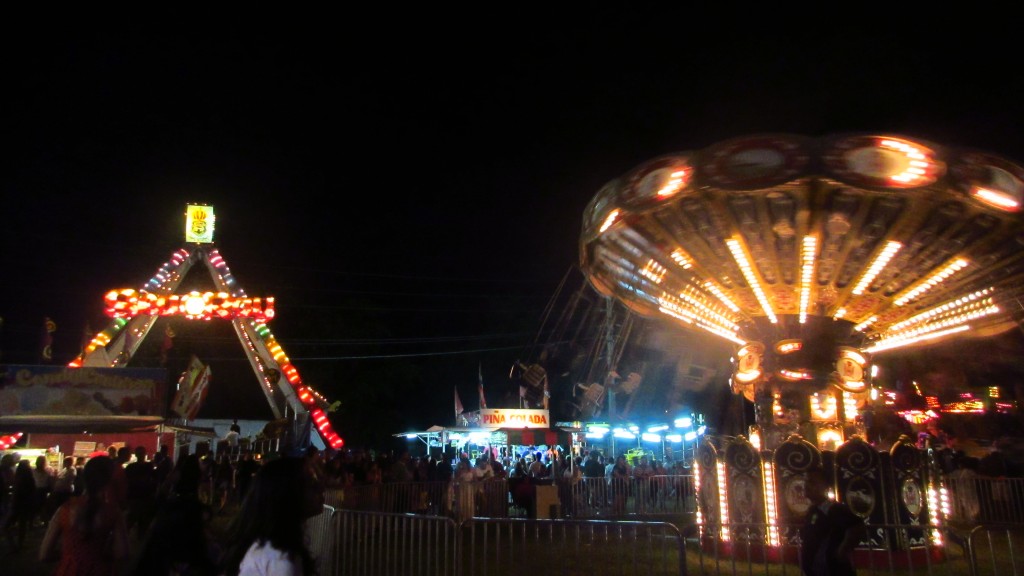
x=810, y=257
x=135, y=312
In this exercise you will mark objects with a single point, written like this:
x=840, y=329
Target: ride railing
x=894, y=549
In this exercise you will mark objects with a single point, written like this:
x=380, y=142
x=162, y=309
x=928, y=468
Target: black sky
x=410, y=186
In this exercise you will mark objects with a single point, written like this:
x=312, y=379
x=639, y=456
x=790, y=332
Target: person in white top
x=268, y=536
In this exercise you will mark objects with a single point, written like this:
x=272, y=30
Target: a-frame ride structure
x=135, y=312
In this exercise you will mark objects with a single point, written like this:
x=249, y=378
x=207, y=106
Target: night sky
x=410, y=188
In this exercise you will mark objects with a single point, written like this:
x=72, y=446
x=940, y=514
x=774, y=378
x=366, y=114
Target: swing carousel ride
x=810, y=258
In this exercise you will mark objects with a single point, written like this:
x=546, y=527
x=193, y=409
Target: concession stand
x=504, y=432
x=75, y=411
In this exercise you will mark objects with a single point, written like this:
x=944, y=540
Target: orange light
x=128, y=303
x=997, y=199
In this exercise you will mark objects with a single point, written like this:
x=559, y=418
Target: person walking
x=268, y=535
x=88, y=532
x=44, y=476
x=830, y=532
x=178, y=541
x=21, y=507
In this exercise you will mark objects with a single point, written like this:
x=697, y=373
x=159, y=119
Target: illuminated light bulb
x=916, y=161
x=768, y=475
x=931, y=282
x=699, y=519
x=612, y=216
x=826, y=411
x=675, y=183
x=810, y=245
x=787, y=346
x=682, y=258
x=997, y=199
x=653, y=271
x=898, y=343
x=718, y=293
x=723, y=500
x=748, y=273
x=883, y=258
x=794, y=375
x=860, y=327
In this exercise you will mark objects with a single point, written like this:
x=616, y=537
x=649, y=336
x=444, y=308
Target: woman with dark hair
x=22, y=505
x=90, y=528
x=268, y=536
x=177, y=541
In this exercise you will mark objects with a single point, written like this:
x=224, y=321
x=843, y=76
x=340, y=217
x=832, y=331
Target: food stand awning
x=440, y=436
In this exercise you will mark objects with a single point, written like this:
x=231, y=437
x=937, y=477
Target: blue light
x=684, y=422
x=623, y=433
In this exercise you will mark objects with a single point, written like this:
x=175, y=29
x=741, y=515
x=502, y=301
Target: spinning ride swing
x=809, y=257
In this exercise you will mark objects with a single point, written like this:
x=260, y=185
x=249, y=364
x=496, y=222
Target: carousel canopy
x=874, y=240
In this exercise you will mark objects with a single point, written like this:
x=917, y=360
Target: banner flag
x=166, y=345
x=458, y=405
x=193, y=386
x=480, y=374
x=49, y=327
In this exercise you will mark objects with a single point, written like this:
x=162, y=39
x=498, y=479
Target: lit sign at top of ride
x=127, y=303
x=199, y=224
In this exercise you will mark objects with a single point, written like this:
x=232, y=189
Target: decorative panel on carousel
x=860, y=485
x=745, y=490
x=708, y=504
x=908, y=474
x=792, y=461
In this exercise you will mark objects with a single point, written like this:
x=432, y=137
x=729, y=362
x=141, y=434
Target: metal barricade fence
x=986, y=500
x=993, y=550
x=995, y=503
x=381, y=544
x=499, y=547
x=396, y=497
x=349, y=542
x=322, y=532
x=654, y=496
x=462, y=500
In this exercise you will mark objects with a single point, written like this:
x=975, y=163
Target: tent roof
x=79, y=424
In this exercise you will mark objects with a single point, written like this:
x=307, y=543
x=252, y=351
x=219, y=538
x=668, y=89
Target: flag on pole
x=126, y=348
x=49, y=327
x=480, y=374
x=86, y=337
x=167, y=344
x=458, y=405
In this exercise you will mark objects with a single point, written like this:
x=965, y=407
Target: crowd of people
x=122, y=512
x=125, y=511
